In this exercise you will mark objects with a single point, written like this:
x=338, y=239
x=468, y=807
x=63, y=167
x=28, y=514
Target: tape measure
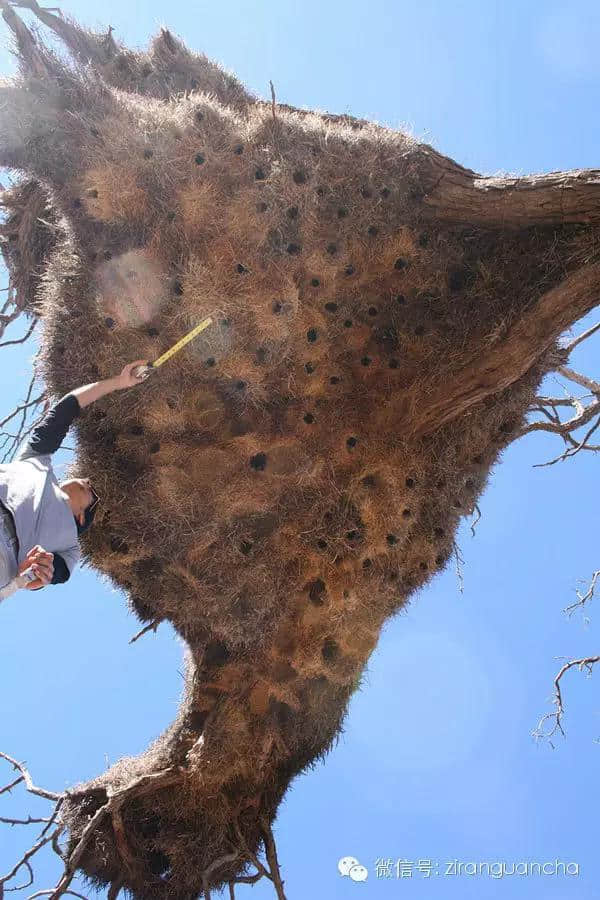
x=143, y=372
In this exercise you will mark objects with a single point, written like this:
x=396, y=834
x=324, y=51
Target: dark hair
x=90, y=512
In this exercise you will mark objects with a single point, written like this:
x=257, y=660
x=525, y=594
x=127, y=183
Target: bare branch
x=151, y=627
x=48, y=835
x=459, y=567
x=271, y=853
x=24, y=409
x=248, y=879
x=13, y=784
x=575, y=447
x=585, y=409
x=26, y=777
x=543, y=731
x=216, y=864
x=581, y=380
x=24, y=338
x=5, y=320
x=582, y=337
x=27, y=821
x=582, y=599
x=476, y=520
x=27, y=46
x=50, y=893
x=24, y=861
x=251, y=856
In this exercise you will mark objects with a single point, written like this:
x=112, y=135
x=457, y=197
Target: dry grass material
x=284, y=485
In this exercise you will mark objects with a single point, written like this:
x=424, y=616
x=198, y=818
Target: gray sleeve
x=71, y=557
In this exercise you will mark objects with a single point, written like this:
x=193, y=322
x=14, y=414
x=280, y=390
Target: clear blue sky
x=436, y=761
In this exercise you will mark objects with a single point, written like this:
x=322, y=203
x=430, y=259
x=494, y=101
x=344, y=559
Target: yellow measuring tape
x=143, y=371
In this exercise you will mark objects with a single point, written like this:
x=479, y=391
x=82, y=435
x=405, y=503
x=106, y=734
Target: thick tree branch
x=28, y=49
x=87, y=47
x=455, y=194
x=167, y=54
x=511, y=357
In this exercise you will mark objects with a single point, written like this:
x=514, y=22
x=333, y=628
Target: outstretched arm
x=47, y=437
x=90, y=392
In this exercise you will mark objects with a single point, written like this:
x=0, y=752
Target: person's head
x=82, y=500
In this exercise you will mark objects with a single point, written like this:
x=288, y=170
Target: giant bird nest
x=382, y=318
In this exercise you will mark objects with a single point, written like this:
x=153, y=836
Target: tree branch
x=24, y=861
x=143, y=785
x=271, y=853
x=49, y=893
x=22, y=431
x=586, y=409
x=28, y=48
x=582, y=599
x=151, y=627
x=509, y=359
x=542, y=731
x=22, y=339
x=456, y=194
x=27, y=821
x=7, y=788
x=89, y=47
x=570, y=346
x=26, y=778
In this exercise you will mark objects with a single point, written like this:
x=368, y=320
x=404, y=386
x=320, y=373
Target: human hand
x=127, y=378
x=42, y=564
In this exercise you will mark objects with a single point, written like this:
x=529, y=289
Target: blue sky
x=436, y=761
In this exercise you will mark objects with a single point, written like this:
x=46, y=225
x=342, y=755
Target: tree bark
x=456, y=194
x=512, y=356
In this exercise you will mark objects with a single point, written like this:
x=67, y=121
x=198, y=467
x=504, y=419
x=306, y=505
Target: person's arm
x=47, y=437
x=90, y=392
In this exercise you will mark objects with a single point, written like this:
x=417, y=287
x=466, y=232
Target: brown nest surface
x=382, y=319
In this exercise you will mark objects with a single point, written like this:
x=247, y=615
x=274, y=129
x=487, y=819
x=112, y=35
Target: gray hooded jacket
x=29, y=490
